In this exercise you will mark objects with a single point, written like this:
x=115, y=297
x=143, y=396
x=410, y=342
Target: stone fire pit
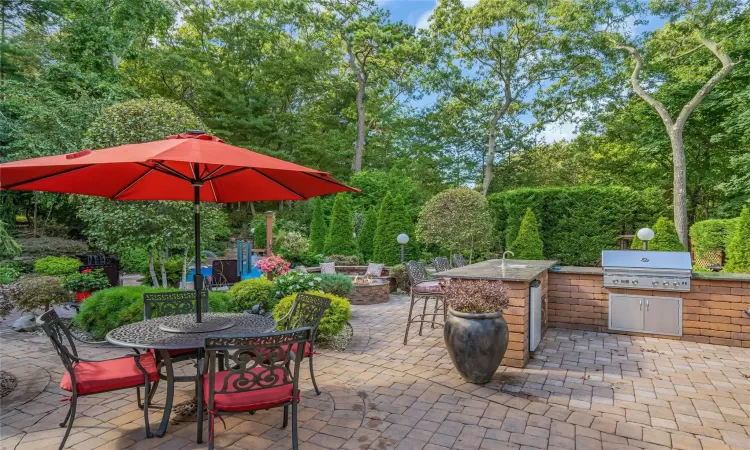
x=370, y=291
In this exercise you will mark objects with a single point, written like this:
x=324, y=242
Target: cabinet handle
x=647, y=304
x=640, y=305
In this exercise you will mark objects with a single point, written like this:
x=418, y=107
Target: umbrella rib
x=280, y=184
x=44, y=177
x=325, y=179
x=231, y=172
x=208, y=175
x=132, y=183
x=213, y=189
x=170, y=171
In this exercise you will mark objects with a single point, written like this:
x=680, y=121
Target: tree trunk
x=679, y=185
x=36, y=210
x=490, y=163
x=360, y=147
x=252, y=208
x=151, y=271
x=184, y=269
x=163, y=269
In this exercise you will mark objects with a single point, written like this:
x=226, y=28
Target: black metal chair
x=458, y=260
x=441, y=264
x=307, y=311
x=260, y=375
x=423, y=289
x=85, y=377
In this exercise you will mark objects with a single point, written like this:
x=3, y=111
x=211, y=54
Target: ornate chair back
x=458, y=260
x=157, y=304
x=61, y=339
x=256, y=362
x=307, y=311
x=441, y=264
x=417, y=273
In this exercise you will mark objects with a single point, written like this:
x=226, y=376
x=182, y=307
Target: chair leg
x=408, y=321
x=147, y=394
x=65, y=422
x=295, y=444
x=71, y=416
x=424, y=314
x=211, y=432
x=312, y=375
x=199, y=413
x=434, y=316
x=286, y=416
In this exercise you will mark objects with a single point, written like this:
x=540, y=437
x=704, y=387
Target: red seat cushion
x=294, y=350
x=101, y=376
x=428, y=287
x=246, y=400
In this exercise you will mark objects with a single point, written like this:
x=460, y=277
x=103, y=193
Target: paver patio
x=581, y=390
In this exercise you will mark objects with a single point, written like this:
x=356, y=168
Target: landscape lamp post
x=402, y=239
x=252, y=240
x=645, y=234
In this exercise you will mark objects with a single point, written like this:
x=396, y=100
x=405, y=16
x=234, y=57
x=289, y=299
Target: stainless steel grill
x=635, y=269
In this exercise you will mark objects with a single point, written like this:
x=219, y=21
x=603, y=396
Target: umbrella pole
x=198, y=277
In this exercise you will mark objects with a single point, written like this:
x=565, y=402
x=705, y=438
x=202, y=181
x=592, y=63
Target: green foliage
x=376, y=184
x=114, y=307
x=55, y=246
x=738, y=250
x=334, y=319
x=336, y=284
x=9, y=273
x=134, y=260
x=291, y=242
x=528, y=244
x=318, y=229
x=457, y=219
x=93, y=280
x=340, y=238
x=8, y=245
x=665, y=238
x=295, y=281
x=393, y=219
x=33, y=292
x=712, y=234
x=343, y=260
x=54, y=265
x=367, y=234
x=398, y=272
x=173, y=267
x=248, y=293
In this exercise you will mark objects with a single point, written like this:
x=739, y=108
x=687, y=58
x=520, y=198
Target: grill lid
x=641, y=259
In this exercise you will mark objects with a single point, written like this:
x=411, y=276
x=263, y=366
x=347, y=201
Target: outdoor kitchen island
x=524, y=279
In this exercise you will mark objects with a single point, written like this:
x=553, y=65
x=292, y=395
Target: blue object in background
x=205, y=271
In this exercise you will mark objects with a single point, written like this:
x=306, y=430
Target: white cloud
x=425, y=19
x=563, y=131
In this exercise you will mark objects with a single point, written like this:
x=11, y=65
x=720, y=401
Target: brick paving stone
x=685, y=442
x=585, y=443
x=629, y=430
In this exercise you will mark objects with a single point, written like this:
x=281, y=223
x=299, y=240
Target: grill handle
x=640, y=305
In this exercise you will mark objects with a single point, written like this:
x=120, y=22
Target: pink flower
x=86, y=271
x=273, y=264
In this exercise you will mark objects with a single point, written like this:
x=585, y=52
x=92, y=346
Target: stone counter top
x=515, y=270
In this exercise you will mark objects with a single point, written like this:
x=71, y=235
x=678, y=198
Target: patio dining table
x=161, y=335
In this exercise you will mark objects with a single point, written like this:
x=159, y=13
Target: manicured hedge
x=738, y=249
x=577, y=223
x=713, y=234
x=334, y=319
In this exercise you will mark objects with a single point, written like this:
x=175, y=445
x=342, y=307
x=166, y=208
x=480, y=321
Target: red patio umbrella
x=191, y=166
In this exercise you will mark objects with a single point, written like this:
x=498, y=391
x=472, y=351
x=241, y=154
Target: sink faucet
x=505, y=253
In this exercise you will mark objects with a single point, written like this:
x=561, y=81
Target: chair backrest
x=416, y=271
x=61, y=338
x=307, y=311
x=458, y=260
x=257, y=361
x=158, y=304
x=374, y=270
x=441, y=264
x=329, y=267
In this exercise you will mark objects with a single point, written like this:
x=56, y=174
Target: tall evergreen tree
x=318, y=229
x=384, y=219
x=367, y=235
x=528, y=244
x=393, y=219
x=665, y=238
x=738, y=250
x=340, y=238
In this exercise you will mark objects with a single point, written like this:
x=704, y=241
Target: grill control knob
x=655, y=283
x=635, y=282
x=666, y=284
x=616, y=281
x=676, y=284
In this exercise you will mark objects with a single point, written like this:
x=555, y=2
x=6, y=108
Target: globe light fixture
x=645, y=234
x=402, y=239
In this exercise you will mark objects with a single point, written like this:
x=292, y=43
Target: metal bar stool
x=423, y=289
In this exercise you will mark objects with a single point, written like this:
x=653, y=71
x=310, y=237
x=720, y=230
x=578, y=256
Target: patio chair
x=458, y=260
x=423, y=289
x=374, y=270
x=307, y=311
x=260, y=375
x=84, y=377
x=441, y=264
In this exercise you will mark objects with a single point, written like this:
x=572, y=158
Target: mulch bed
x=7, y=383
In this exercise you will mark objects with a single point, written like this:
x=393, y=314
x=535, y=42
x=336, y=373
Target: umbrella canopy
x=191, y=166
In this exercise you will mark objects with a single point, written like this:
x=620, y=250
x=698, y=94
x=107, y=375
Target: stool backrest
x=416, y=271
x=441, y=264
x=458, y=260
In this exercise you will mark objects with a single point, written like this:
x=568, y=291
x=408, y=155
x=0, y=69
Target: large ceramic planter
x=476, y=343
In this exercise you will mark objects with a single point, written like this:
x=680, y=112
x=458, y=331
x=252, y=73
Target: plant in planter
x=85, y=283
x=475, y=333
x=273, y=266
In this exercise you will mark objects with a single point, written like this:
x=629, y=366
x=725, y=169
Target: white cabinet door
x=626, y=312
x=663, y=315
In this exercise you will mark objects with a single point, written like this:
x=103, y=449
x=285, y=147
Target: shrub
x=273, y=265
x=528, y=244
x=367, y=234
x=134, y=260
x=398, y=273
x=6, y=303
x=393, y=219
x=292, y=242
x=476, y=296
x=248, y=293
x=336, y=284
x=293, y=282
x=33, y=292
x=665, y=238
x=9, y=248
x=53, y=265
x=343, y=260
x=340, y=238
x=9, y=273
x=173, y=267
x=738, y=250
x=87, y=281
x=713, y=234
x=114, y=307
x=318, y=229
x=43, y=246
x=334, y=319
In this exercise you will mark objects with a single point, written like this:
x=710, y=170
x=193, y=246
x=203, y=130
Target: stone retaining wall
x=712, y=312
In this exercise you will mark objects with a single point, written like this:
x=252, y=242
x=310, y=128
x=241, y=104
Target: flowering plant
x=475, y=296
x=295, y=281
x=273, y=265
x=86, y=281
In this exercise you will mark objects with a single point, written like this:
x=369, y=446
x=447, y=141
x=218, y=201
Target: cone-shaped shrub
x=318, y=229
x=367, y=235
x=340, y=238
x=665, y=238
x=528, y=244
x=738, y=250
x=393, y=220
x=381, y=229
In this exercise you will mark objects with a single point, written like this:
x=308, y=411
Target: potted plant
x=85, y=283
x=475, y=333
x=273, y=266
